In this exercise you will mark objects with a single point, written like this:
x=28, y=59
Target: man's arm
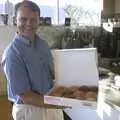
x=37, y=100
x=16, y=74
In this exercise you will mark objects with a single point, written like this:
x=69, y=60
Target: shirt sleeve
x=52, y=66
x=16, y=73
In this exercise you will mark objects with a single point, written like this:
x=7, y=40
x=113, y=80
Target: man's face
x=27, y=22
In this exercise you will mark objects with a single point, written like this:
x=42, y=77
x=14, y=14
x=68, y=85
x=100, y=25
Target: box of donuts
x=76, y=78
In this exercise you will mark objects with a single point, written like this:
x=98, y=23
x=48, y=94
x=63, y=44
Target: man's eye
x=33, y=20
x=23, y=19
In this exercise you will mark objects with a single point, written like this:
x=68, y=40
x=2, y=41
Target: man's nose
x=29, y=22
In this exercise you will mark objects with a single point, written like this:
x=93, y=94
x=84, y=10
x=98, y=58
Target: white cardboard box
x=74, y=67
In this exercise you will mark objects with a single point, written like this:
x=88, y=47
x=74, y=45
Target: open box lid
x=76, y=66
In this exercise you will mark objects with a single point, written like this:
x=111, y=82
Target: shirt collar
x=23, y=39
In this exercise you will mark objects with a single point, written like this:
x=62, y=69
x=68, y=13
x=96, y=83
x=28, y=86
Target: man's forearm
x=32, y=98
x=36, y=99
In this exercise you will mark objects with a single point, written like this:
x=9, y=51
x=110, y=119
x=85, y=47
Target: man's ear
x=39, y=21
x=14, y=21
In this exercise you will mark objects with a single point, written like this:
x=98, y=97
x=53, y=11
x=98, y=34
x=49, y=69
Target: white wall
x=6, y=35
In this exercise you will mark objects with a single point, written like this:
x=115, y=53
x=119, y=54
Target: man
x=27, y=64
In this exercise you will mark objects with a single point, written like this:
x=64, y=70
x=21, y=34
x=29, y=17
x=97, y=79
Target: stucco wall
x=108, y=6
x=117, y=6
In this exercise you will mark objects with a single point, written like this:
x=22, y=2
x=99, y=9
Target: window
x=80, y=11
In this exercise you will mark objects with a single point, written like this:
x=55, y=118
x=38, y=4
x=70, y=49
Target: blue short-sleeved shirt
x=27, y=67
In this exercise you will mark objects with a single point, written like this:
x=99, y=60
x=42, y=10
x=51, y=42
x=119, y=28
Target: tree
x=82, y=16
